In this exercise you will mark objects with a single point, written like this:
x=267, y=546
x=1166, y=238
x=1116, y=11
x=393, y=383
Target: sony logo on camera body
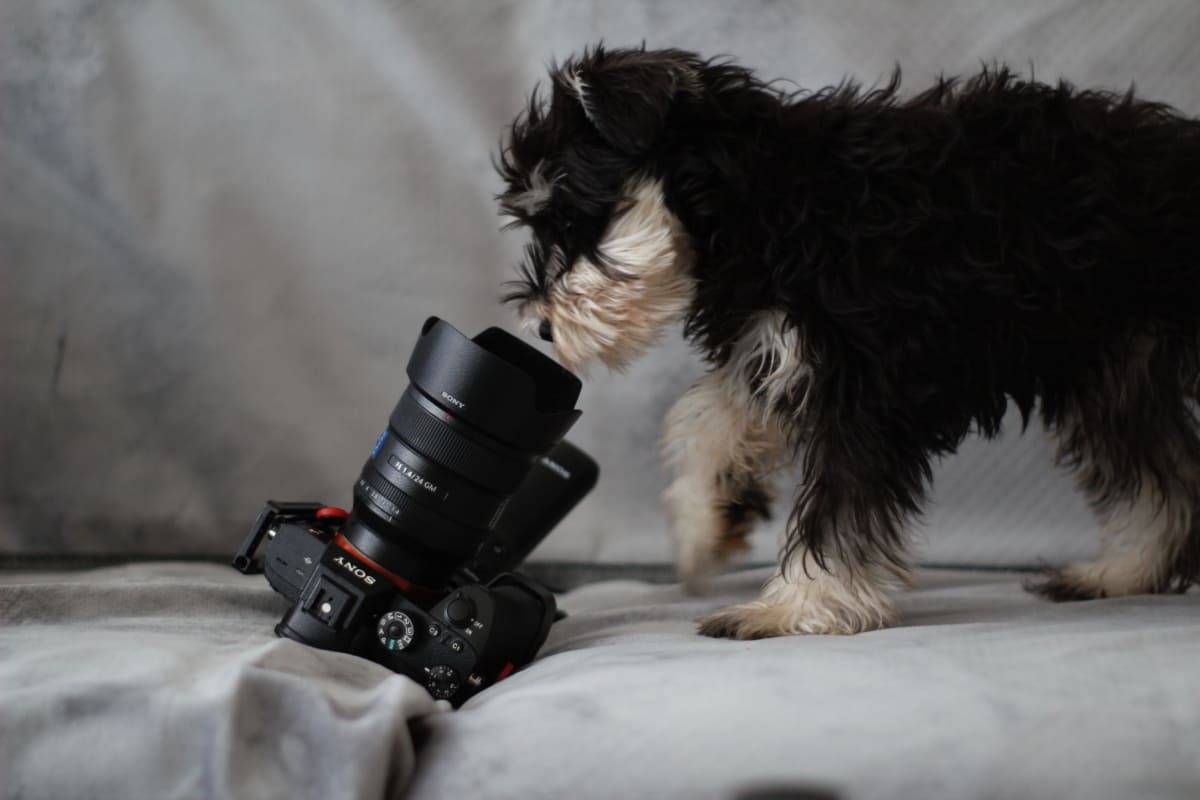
x=355, y=570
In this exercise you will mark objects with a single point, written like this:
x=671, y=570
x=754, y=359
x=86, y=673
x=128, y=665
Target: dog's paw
x=708, y=534
x=696, y=534
x=816, y=604
x=1092, y=580
x=699, y=558
x=1060, y=586
x=758, y=620
x=695, y=568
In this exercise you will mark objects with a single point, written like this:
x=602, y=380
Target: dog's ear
x=627, y=94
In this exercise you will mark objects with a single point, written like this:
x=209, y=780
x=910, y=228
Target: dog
x=870, y=278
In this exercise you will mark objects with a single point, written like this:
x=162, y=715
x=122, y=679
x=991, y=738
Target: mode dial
x=395, y=630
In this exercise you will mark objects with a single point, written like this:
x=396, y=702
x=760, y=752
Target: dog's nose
x=545, y=331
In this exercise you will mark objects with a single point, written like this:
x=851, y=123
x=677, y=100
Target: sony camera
x=469, y=476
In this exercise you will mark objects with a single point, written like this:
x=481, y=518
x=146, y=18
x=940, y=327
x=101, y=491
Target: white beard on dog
x=613, y=317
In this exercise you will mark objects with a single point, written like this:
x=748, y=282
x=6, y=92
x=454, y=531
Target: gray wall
x=222, y=223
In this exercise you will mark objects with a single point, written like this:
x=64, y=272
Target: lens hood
x=497, y=383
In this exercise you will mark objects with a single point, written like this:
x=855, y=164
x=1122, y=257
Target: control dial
x=441, y=681
x=395, y=630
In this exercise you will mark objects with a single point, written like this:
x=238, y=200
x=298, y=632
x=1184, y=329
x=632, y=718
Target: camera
x=470, y=475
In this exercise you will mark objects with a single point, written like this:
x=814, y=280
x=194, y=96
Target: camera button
x=460, y=611
x=456, y=646
x=435, y=629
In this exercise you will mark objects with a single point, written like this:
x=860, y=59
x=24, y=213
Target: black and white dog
x=870, y=278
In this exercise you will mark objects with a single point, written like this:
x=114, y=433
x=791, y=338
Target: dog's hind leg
x=1135, y=450
x=722, y=448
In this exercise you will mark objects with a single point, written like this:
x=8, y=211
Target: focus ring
x=439, y=442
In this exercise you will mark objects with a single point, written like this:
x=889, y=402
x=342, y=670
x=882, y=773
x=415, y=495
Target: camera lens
x=464, y=435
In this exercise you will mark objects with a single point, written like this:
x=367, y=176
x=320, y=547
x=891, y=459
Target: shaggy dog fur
x=870, y=278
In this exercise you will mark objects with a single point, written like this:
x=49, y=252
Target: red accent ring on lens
x=344, y=543
x=332, y=512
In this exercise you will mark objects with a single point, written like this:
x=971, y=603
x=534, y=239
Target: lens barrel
x=464, y=435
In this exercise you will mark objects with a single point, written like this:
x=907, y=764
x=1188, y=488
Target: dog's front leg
x=846, y=542
x=721, y=445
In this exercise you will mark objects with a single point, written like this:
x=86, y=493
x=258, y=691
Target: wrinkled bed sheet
x=164, y=680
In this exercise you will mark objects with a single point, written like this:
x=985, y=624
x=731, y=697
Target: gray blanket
x=164, y=680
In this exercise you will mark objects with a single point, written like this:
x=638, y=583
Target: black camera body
x=469, y=477
x=483, y=627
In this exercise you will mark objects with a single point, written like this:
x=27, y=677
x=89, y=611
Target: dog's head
x=609, y=264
